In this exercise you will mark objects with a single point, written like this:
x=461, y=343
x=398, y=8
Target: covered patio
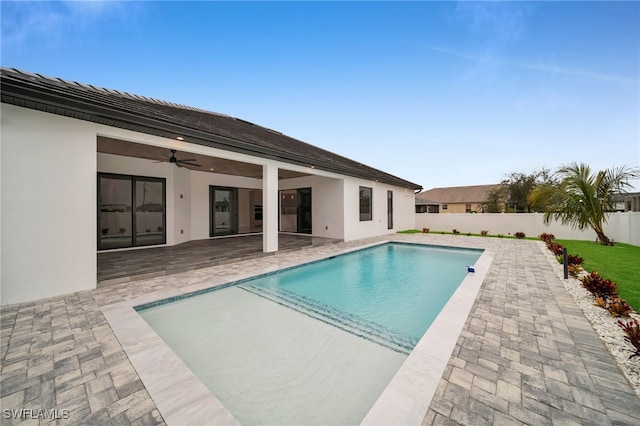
x=116, y=267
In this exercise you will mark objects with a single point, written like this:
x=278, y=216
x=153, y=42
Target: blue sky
x=439, y=93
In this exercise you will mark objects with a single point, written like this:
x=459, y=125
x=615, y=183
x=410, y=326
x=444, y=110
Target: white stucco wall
x=327, y=201
x=403, y=209
x=200, y=182
x=48, y=216
x=48, y=205
x=623, y=227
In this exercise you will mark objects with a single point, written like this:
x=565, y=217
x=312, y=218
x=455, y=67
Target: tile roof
x=455, y=194
x=166, y=119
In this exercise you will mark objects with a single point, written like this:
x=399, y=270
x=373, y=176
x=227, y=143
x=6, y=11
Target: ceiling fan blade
x=189, y=164
x=187, y=160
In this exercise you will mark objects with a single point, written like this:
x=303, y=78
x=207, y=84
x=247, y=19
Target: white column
x=269, y=208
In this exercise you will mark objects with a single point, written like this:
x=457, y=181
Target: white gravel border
x=603, y=323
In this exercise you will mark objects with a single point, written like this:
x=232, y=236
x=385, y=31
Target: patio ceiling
x=208, y=164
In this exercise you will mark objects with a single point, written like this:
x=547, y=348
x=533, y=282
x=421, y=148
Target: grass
x=619, y=263
x=417, y=231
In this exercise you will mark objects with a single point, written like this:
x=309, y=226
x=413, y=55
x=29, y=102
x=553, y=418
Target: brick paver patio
x=526, y=354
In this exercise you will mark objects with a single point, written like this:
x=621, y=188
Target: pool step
x=369, y=330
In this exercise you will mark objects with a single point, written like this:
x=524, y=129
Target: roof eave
x=66, y=105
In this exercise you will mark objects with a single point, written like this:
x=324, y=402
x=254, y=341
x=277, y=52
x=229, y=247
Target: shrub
x=599, y=286
x=632, y=331
x=519, y=235
x=456, y=232
x=601, y=302
x=619, y=307
x=574, y=270
x=425, y=230
x=547, y=238
x=484, y=233
x=574, y=260
x=555, y=248
x=500, y=236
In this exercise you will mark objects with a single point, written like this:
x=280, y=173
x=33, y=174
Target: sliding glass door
x=131, y=211
x=224, y=211
x=295, y=210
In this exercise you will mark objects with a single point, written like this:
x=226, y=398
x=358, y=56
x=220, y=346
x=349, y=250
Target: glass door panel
x=150, y=207
x=115, y=213
x=304, y=210
x=224, y=211
x=389, y=209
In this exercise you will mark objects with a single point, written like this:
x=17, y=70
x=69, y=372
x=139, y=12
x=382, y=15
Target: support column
x=269, y=208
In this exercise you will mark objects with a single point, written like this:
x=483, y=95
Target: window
x=444, y=207
x=467, y=208
x=131, y=211
x=389, y=209
x=365, y=204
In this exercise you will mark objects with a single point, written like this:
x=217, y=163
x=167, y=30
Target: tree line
x=573, y=195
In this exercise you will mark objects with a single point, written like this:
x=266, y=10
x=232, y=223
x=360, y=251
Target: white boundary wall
x=623, y=227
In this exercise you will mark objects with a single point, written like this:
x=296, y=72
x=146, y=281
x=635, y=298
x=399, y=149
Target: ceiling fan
x=179, y=163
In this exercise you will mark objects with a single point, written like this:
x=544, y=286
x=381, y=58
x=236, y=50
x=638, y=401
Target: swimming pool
x=330, y=344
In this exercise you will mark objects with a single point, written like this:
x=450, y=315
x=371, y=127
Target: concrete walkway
x=526, y=354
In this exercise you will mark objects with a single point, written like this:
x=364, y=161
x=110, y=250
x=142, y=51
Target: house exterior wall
x=460, y=207
x=49, y=199
x=48, y=177
x=403, y=207
x=200, y=183
x=327, y=201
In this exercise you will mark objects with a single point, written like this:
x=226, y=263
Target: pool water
x=316, y=344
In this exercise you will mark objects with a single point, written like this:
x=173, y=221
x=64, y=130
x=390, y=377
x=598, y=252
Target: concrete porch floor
x=117, y=267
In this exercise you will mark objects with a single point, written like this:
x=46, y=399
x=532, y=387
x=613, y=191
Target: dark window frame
x=133, y=179
x=389, y=209
x=366, y=204
x=232, y=209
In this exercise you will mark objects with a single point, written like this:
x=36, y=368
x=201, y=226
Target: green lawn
x=619, y=263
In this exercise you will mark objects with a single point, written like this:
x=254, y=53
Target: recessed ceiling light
x=211, y=169
x=180, y=138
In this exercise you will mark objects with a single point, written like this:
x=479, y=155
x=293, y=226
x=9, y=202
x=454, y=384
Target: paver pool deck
x=526, y=354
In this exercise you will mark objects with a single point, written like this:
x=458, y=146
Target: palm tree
x=582, y=199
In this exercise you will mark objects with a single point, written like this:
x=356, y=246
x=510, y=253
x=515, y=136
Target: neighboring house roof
x=455, y=194
x=165, y=119
x=425, y=202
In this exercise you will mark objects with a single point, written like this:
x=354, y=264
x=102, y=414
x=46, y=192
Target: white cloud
x=542, y=67
x=25, y=21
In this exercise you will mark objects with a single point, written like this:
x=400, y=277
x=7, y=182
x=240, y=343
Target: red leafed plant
x=519, y=235
x=555, y=248
x=574, y=270
x=599, y=286
x=632, y=331
x=574, y=260
x=484, y=233
x=619, y=307
x=425, y=230
x=547, y=238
